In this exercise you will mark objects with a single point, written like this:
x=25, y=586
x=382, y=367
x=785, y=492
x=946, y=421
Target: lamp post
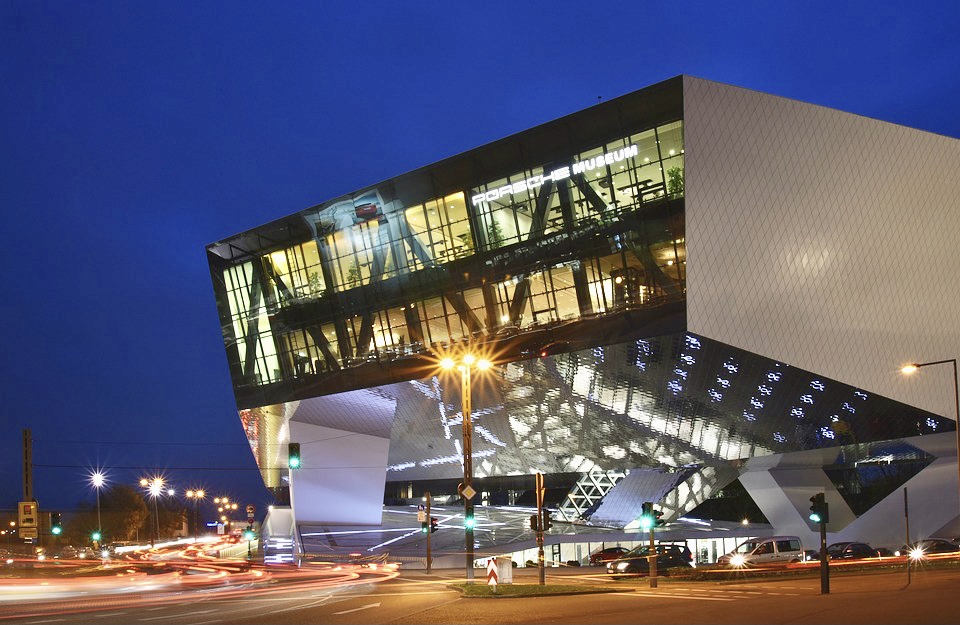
x=912, y=367
x=98, y=479
x=196, y=495
x=467, y=363
x=154, y=487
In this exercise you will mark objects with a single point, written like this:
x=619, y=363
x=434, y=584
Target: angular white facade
x=828, y=241
x=824, y=240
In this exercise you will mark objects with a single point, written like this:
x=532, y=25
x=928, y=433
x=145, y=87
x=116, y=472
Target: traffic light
x=819, y=510
x=533, y=523
x=646, y=515
x=547, y=521
x=433, y=524
x=424, y=527
x=657, y=520
x=293, y=455
x=56, y=526
x=95, y=537
x=248, y=534
x=469, y=522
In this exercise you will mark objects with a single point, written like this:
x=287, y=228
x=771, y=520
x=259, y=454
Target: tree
x=123, y=511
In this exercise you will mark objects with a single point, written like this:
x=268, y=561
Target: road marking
x=667, y=595
x=52, y=620
x=302, y=606
x=363, y=607
x=167, y=616
x=108, y=614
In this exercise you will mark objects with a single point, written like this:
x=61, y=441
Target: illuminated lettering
x=561, y=173
x=607, y=158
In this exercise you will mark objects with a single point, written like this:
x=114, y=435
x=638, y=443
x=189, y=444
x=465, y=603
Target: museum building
x=688, y=291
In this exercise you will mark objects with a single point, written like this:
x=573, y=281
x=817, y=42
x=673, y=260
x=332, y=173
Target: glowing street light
x=468, y=362
x=154, y=486
x=196, y=495
x=98, y=479
x=912, y=368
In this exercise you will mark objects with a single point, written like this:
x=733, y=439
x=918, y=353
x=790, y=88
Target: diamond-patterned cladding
x=823, y=239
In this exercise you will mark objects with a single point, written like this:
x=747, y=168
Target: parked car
x=927, y=546
x=852, y=551
x=810, y=555
x=636, y=563
x=761, y=551
x=602, y=556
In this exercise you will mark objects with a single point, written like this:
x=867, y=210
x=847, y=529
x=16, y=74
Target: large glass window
x=581, y=200
x=439, y=230
x=298, y=270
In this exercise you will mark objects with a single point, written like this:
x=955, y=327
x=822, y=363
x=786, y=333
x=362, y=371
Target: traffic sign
x=492, y=572
x=468, y=492
x=251, y=511
x=421, y=516
x=28, y=513
x=421, y=507
x=29, y=532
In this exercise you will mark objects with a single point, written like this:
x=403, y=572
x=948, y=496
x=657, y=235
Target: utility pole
x=27, y=466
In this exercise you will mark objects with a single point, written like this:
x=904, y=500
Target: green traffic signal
x=469, y=522
x=95, y=536
x=248, y=535
x=293, y=455
x=819, y=510
x=646, y=515
x=56, y=529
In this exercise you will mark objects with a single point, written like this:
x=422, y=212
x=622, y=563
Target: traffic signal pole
x=824, y=563
x=820, y=514
x=652, y=561
x=540, y=563
x=429, y=531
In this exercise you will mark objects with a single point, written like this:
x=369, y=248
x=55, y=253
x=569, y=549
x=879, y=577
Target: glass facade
x=573, y=232
x=675, y=403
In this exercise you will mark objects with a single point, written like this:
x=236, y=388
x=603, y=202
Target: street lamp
x=467, y=363
x=912, y=367
x=98, y=479
x=154, y=487
x=196, y=495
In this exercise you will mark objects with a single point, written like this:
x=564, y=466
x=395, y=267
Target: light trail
x=168, y=579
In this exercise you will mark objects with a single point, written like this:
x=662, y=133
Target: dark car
x=927, y=546
x=603, y=556
x=811, y=555
x=852, y=551
x=636, y=563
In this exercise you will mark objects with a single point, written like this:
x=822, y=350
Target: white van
x=760, y=551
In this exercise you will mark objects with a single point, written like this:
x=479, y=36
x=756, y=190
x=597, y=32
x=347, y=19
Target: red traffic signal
x=433, y=524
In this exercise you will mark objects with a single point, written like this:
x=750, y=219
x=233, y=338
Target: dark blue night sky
x=135, y=133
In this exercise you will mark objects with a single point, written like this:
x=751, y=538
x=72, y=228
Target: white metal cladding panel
x=824, y=240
